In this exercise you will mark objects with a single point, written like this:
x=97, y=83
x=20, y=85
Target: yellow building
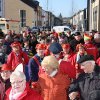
x=24, y=11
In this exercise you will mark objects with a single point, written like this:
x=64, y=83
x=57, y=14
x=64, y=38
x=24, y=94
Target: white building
x=79, y=20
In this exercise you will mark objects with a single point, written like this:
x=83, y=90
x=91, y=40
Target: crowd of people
x=60, y=66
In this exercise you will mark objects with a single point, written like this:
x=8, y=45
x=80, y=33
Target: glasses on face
x=5, y=72
x=17, y=82
x=84, y=64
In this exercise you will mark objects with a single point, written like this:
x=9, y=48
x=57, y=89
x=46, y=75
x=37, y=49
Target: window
x=66, y=29
x=2, y=26
x=0, y=5
x=23, y=18
x=95, y=13
x=93, y=1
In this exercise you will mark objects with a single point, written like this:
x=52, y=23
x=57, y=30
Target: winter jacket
x=74, y=43
x=68, y=68
x=98, y=61
x=88, y=85
x=92, y=50
x=75, y=58
x=33, y=68
x=13, y=60
x=54, y=88
x=28, y=94
x=4, y=85
x=70, y=57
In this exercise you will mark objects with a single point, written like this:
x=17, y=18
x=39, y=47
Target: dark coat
x=88, y=85
x=33, y=68
x=74, y=43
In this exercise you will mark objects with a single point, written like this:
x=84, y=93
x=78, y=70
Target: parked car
x=35, y=29
x=60, y=29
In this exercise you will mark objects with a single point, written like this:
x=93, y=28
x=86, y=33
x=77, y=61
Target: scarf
x=14, y=96
x=79, y=56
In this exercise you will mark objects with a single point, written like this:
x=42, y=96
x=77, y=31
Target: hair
x=92, y=62
x=18, y=74
x=80, y=46
x=50, y=62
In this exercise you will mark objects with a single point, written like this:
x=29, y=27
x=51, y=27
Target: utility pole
x=90, y=22
x=72, y=10
x=48, y=13
x=47, y=4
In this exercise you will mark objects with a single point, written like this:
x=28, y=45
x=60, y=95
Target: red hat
x=40, y=46
x=14, y=44
x=5, y=67
x=79, y=46
x=66, y=46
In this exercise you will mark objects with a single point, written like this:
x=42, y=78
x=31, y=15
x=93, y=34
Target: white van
x=60, y=29
x=7, y=25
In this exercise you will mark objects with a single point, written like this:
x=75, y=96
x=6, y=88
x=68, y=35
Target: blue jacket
x=33, y=68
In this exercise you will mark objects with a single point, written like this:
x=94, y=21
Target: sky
x=63, y=6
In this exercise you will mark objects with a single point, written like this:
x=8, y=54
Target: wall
x=12, y=10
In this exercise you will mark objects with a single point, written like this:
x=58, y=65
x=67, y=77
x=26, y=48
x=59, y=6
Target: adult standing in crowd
x=7, y=43
x=17, y=56
x=56, y=50
x=20, y=90
x=90, y=47
x=5, y=73
x=77, y=40
x=34, y=64
x=53, y=82
x=87, y=85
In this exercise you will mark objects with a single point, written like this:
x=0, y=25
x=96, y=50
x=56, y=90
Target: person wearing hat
x=87, y=85
x=90, y=47
x=67, y=52
x=5, y=73
x=54, y=83
x=34, y=64
x=17, y=56
x=56, y=50
x=77, y=40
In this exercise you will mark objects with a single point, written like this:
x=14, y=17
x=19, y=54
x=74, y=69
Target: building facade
x=93, y=8
x=80, y=20
x=20, y=10
x=1, y=8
